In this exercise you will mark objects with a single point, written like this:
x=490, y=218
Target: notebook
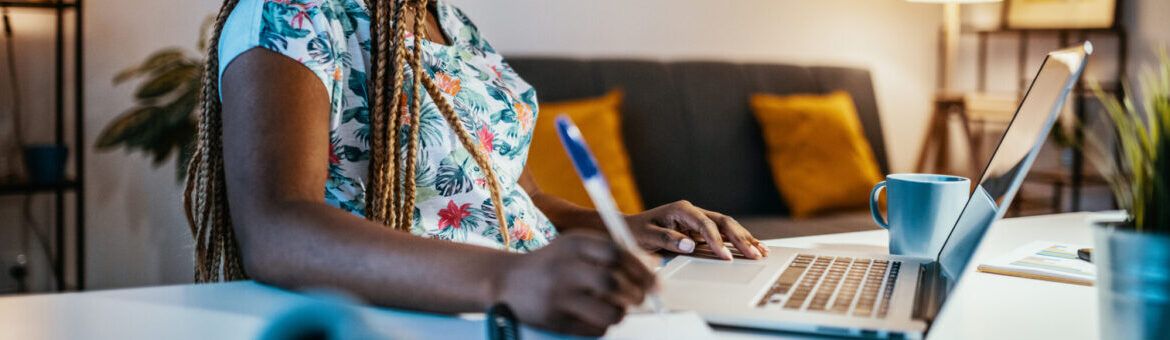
x=673, y=326
x=1044, y=260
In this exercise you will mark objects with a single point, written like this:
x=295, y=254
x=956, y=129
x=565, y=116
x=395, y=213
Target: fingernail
x=726, y=253
x=686, y=245
x=755, y=252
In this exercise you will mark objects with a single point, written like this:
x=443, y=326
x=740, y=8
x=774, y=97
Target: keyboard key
x=835, y=285
x=788, y=279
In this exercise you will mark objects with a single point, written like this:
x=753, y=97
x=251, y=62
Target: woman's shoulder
x=304, y=30
x=271, y=23
x=458, y=23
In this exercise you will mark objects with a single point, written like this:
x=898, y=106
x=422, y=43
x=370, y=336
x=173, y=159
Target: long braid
x=400, y=110
x=388, y=192
x=409, y=180
x=476, y=151
x=382, y=172
x=465, y=138
x=391, y=192
x=376, y=107
x=205, y=200
x=424, y=80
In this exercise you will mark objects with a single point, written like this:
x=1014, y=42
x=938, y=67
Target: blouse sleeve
x=298, y=29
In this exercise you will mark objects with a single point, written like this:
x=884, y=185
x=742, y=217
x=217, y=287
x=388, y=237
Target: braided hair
x=390, y=195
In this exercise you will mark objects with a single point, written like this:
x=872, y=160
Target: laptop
x=875, y=295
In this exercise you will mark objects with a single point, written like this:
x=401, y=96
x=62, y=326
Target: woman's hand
x=675, y=226
x=581, y=283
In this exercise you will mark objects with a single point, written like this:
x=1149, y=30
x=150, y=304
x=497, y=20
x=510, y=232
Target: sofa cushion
x=687, y=125
x=819, y=156
x=599, y=120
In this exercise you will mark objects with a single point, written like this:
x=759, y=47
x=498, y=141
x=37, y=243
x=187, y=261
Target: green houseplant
x=162, y=121
x=1133, y=257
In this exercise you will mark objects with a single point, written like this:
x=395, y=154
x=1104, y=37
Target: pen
x=598, y=190
x=1085, y=254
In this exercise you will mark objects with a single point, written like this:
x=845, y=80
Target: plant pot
x=1133, y=282
x=45, y=163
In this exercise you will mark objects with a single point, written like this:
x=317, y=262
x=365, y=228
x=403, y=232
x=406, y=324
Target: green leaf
x=357, y=82
x=452, y=178
x=361, y=114
x=124, y=127
x=166, y=82
x=205, y=31
x=353, y=154
x=163, y=122
x=182, y=109
x=158, y=60
x=162, y=149
x=150, y=132
x=473, y=101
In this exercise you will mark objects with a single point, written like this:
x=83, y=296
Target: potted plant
x=163, y=120
x=1133, y=257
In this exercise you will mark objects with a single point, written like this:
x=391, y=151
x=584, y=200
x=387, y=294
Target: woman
x=335, y=175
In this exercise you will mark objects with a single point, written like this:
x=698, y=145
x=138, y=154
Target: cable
x=13, y=78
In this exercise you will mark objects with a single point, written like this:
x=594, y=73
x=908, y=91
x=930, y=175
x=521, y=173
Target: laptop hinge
x=931, y=292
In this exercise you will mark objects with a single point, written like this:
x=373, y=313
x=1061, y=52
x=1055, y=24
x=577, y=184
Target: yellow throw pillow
x=817, y=149
x=600, y=122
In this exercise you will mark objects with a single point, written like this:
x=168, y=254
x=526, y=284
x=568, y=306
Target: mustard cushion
x=599, y=120
x=817, y=150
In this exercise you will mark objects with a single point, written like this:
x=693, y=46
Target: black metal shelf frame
x=31, y=189
x=1066, y=37
x=39, y=4
x=77, y=184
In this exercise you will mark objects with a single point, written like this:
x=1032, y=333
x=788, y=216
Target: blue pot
x=1133, y=282
x=45, y=163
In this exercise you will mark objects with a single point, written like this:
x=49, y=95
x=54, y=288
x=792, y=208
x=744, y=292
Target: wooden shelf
x=38, y=4
x=31, y=188
x=68, y=92
x=1037, y=30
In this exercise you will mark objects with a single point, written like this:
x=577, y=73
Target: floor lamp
x=946, y=101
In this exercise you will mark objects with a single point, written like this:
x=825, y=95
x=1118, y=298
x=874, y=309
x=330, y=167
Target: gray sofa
x=691, y=134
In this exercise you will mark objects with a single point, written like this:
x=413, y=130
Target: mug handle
x=873, y=205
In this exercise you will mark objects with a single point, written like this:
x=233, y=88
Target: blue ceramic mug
x=921, y=208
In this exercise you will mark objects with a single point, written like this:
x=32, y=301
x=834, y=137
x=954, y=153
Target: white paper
x=680, y=325
x=1044, y=259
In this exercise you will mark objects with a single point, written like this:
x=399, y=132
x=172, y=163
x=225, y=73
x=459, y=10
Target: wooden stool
x=937, y=140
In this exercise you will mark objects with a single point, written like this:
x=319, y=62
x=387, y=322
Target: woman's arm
x=276, y=150
x=666, y=227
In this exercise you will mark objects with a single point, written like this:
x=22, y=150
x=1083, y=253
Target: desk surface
x=984, y=306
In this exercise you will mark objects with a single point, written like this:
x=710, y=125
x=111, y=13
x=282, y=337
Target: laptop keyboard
x=835, y=284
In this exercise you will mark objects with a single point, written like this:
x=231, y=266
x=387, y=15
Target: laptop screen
x=1013, y=157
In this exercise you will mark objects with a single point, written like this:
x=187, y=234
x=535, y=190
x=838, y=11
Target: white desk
x=984, y=306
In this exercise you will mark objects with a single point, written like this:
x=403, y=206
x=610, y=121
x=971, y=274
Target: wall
x=1149, y=30
x=892, y=38
x=138, y=236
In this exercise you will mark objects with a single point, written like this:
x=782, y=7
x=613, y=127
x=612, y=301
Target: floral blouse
x=332, y=39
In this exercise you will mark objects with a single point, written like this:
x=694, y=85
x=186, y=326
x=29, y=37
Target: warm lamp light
x=955, y=1
x=951, y=26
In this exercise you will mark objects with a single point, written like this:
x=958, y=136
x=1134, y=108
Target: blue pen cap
x=575, y=145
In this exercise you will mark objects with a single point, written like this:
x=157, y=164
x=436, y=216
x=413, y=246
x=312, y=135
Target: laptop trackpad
x=738, y=272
